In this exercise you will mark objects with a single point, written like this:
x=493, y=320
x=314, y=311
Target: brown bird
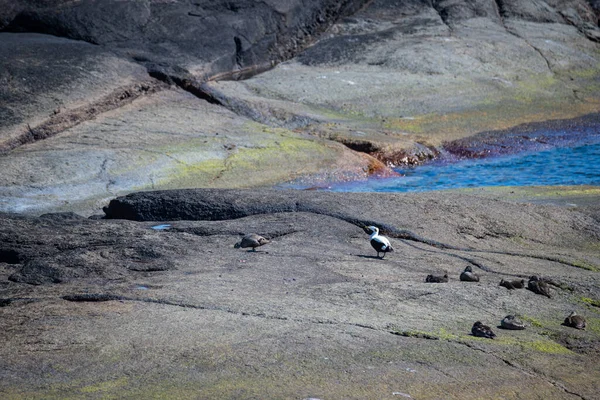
x=468, y=275
x=536, y=285
x=575, y=321
x=437, y=278
x=481, y=330
x=251, y=240
x=512, y=322
x=516, y=284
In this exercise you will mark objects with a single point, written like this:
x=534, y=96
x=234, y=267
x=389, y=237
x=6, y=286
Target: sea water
x=577, y=164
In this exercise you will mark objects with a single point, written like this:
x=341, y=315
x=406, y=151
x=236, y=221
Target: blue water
x=573, y=165
x=162, y=227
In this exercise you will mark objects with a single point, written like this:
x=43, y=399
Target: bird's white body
x=379, y=243
x=381, y=239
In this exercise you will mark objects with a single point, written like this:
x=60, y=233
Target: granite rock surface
x=163, y=305
x=101, y=98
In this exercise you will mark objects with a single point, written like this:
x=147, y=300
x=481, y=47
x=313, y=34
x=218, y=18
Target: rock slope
x=99, y=98
x=165, y=306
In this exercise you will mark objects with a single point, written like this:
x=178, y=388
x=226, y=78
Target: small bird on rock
x=379, y=242
x=512, y=322
x=575, y=321
x=251, y=240
x=468, y=275
x=481, y=330
x=536, y=285
x=510, y=285
x=437, y=278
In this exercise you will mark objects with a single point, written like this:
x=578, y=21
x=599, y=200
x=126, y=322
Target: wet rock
x=525, y=138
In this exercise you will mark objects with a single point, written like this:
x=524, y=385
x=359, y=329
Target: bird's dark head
x=468, y=268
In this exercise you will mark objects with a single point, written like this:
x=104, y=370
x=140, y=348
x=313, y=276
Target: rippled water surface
x=572, y=165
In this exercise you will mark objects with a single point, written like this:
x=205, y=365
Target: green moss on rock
x=590, y=301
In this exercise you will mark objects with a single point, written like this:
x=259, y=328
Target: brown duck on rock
x=538, y=286
x=437, y=279
x=575, y=321
x=510, y=285
x=251, y=240
x=481, y=330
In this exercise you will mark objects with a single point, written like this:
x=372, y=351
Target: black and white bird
x=379, y=242
x=251, y=240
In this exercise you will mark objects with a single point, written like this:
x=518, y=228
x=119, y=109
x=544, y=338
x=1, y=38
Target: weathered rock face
x=66, y=253
x=49, y=84
x=107, y=304
x=385, y=83
x=365, y=209
x=203, y=37
x=173, y=40
x=401, y=78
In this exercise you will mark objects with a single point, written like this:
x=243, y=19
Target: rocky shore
x=111, y=287
x=155, y=301
x=101, y=98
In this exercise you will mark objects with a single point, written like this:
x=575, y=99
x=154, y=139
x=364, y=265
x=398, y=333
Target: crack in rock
x=102, y=297
x=537, y=50
x=66, y=119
